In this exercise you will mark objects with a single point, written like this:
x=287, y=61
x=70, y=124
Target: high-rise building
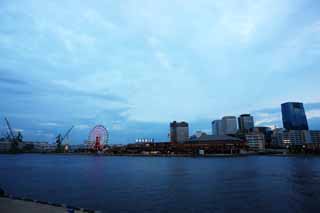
x=229, y=125
x=294, y=116
x=179, y=132
x=245, y=122
x=217, y=128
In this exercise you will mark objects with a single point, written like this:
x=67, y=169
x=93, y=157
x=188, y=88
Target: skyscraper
x=229, y=125
x=217, y=127
x=179, y=132
x=245, y=122
x=294, y=116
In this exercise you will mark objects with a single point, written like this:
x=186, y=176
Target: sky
x=135, y=66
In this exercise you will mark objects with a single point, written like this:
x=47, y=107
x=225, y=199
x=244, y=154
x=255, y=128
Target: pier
x=10, y=204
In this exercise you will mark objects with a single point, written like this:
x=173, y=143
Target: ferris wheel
x=99, y=137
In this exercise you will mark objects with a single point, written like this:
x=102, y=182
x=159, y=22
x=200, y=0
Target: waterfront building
x=144, y=140
x=78, y=147
x=5, y=146
x=315, y=136
x=277, y=138
x=40, y=146
x=212, y=144
x=294, y=116
x=296, y=137
x=179, y=132
x=199, y=133
x=261, y=129
x=255, y=141
x=229, y=125
x=215, y=139
x=217, y=128
x=285, y=138
x=266, y=131
x=208, y=143
x=245, y=122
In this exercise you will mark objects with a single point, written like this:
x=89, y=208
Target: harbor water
x=166, y=184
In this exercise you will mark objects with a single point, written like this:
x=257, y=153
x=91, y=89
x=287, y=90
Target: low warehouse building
x=212, y=144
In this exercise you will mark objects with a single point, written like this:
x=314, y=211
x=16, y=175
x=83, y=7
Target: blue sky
x=134, y=66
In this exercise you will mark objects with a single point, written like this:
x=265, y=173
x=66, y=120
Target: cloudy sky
x=134, y=66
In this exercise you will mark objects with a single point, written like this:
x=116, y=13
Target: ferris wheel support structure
x=98, y=137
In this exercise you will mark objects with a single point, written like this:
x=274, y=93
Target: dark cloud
x=272, y=116
x=12, y=85
x=12, y=81
x=14, y=92
x=47, y=88
x=19, y=87
x=307, y=106
x=96, y=95
x=106, y=117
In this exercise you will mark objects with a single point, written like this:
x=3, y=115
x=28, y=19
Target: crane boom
x=10, y=129
x=66, y=134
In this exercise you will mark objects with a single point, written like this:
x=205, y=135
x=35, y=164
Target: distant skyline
x=135, y=66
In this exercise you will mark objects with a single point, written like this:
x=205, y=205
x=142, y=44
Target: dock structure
x=20, y=205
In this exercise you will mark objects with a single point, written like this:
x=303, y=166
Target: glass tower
x=245, y=122
x=294, y=116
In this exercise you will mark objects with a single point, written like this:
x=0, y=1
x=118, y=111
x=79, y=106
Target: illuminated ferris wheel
x=99, y=137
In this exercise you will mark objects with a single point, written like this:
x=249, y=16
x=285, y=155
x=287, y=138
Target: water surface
x=172, y=184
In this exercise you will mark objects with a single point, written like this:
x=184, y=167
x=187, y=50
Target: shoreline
x=9, y=203
x=173, y=155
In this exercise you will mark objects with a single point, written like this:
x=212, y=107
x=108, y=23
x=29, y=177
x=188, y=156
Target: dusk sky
x=134, y=66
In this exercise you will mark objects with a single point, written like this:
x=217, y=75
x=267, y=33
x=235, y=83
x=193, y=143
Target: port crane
x=11, y=134
x=60, y=139
x=14, y=139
